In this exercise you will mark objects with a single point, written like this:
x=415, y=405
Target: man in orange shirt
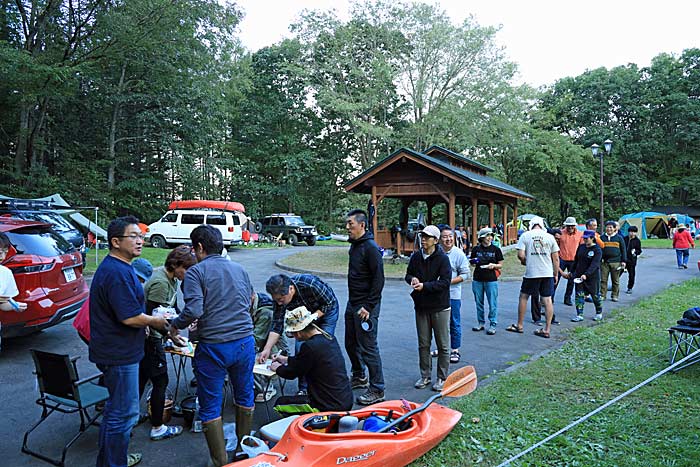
x=570, y=239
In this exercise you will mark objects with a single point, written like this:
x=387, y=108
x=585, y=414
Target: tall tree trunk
x=112, y=156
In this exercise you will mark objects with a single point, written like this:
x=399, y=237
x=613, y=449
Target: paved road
x=398, y=344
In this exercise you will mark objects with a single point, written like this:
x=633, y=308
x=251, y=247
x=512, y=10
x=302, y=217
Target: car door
x=166, y=226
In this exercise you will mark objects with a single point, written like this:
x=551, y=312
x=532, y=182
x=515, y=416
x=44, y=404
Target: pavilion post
x=491, y=213
x=451, y=210
x=504, y=221
x=475, y=227
x=376, y=210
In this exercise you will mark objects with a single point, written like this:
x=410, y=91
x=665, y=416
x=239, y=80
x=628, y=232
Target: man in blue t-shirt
x=117, y=322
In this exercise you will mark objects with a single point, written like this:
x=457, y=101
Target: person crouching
x=319, y=360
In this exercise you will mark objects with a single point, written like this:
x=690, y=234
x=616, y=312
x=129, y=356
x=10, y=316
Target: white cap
x=536, y=220
x=431, y=230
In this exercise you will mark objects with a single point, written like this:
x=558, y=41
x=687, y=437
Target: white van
x=176, y=225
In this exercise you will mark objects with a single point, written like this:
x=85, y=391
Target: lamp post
x=607, y=144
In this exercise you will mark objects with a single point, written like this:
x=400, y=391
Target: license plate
x=69, y=274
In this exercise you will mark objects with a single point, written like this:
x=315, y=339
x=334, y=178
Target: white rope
x=602, y=407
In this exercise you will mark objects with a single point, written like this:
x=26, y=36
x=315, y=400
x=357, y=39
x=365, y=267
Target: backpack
x=691, y=317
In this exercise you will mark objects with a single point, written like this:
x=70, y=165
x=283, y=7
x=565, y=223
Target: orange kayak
x=302, y=447
x=207, y=204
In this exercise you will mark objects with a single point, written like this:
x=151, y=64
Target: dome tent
x=649, y=224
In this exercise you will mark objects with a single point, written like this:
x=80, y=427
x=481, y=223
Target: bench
x=683, y=341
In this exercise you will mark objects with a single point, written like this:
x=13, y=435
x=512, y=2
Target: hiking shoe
x=577, y=318
x=490, y=332
x=370, y=397
x=359, y=382
x=421, y=383
x=439, y=384
x=598, y=317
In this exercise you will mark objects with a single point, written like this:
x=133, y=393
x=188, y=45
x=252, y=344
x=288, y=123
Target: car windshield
x=296, y=220
x=41, y=242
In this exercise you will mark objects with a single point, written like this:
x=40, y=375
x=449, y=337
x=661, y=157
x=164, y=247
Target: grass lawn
x=335, y=260
x=656, y=243
x=658, y=425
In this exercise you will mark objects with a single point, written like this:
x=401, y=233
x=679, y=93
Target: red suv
x=49, y=275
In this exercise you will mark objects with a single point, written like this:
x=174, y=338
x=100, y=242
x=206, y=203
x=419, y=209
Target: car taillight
x=230, y=229
x=23, y=267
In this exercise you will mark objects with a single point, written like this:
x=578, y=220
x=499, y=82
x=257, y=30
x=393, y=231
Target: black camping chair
x=62, y=390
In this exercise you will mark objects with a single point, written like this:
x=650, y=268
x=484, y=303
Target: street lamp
x=607, y=144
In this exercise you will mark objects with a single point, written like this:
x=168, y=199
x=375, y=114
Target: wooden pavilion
x=437, y=176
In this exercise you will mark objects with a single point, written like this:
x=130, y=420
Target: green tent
x=650, y=224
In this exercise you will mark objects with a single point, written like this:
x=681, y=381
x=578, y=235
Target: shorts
x=544, y=286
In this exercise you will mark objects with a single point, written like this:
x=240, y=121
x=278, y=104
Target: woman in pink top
x=682, y=242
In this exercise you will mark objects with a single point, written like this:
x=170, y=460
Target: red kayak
x=414, y=430
x=207, y=204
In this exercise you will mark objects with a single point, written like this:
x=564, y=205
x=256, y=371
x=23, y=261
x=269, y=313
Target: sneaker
x=685, y=266
x=169, y=432
x=490, y=332
x=629, y=292
x=577, y=318
x=555, y=321
x=568, y=303
x=421, y=383
x=370, y=397
x=434, y=353
x=266, y=396
x=302, y=392
x=359, y=382
x=538, y=323
x=614, y=299
x=598, y=317
x=588, y=299
x=439, y=384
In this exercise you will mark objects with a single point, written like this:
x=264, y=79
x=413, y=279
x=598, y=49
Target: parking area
x=398, y=343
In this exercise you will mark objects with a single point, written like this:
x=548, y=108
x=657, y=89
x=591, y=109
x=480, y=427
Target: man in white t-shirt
x=539, y=253
x=8, y=286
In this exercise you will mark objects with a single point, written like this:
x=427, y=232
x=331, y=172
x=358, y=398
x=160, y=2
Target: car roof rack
x=18, y=203
x=283, y=214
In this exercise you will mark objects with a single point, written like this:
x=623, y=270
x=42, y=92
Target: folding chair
x=62, y=390
x=683, y=341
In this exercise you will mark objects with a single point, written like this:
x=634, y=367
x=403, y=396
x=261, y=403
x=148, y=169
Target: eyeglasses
x=132, y=236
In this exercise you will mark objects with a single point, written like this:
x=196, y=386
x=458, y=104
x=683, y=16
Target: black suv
x=291, y=226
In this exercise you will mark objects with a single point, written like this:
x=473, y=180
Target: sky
x=548, y=39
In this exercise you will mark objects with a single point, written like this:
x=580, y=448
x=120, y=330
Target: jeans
x=490, y=289
x=327, y=323
x=362, y=347
x=438, y=323
x=213, y=361
x=120, y=414
x=455, y=324
x=682, y=256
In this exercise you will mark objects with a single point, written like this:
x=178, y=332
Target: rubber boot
x=244, y=424
x=214, y=433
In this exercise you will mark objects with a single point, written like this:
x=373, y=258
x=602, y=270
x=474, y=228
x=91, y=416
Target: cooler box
x=272, y=432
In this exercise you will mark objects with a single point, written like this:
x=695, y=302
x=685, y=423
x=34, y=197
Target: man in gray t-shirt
x=539, y=253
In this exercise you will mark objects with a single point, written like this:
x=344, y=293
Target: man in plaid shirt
x=298, y=290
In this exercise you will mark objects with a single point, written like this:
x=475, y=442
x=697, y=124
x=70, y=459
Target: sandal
x=542, y=333
x=514, y=328
x=454, y=356
x=133, y=459
x=170, y=432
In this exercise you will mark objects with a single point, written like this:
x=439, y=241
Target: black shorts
x=544, y=286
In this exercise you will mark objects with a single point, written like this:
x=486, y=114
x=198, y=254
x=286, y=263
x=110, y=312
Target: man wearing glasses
x=117, y=336
x=569, y=241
